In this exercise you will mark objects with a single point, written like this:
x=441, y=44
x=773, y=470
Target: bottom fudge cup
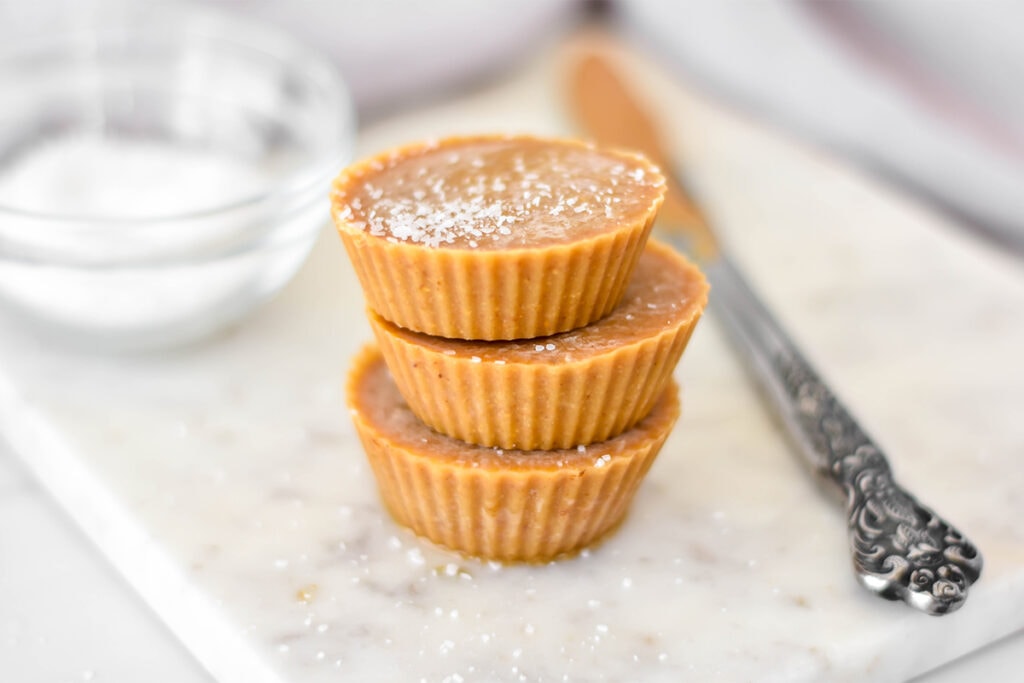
x=504, y=505
x=578, y=387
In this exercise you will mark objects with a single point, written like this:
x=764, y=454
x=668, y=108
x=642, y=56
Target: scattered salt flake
x=603, y=460
x=549, y=347
x=499, y=362
x=449, y=352
x=538, y=347
x=306, y=594
x=475, y=359
x=581, y=448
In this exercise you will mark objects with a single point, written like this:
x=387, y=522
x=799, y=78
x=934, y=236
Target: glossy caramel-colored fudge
x=496, y=237
x=507, y=505
x=572, y=388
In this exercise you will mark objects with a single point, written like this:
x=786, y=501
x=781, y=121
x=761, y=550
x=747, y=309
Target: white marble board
x=226, y=483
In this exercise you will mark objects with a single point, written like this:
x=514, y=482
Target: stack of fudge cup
x=527, y=330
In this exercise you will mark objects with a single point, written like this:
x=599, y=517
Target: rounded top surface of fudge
x=665, y=293
x=496, y=192
x=373, y=394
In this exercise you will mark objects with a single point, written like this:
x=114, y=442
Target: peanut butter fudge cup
x=576, y=387
x=508, y=505
x=496, y=237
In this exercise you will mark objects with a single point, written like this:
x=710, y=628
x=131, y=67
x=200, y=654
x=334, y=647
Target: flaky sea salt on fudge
x=577, y=387
x=496, y=237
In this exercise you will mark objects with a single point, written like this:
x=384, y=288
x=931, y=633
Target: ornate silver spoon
x=901, y=549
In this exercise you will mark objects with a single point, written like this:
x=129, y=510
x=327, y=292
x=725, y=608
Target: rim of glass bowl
x=239, y=33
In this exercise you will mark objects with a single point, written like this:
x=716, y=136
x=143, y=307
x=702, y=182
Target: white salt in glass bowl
x=164, y=169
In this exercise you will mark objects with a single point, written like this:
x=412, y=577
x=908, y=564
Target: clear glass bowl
x=164, y=169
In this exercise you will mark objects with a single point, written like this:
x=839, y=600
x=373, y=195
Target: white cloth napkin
x=928, y=93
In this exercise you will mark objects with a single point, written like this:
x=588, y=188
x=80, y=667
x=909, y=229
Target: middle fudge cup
x=496, y=237
x=560, y=391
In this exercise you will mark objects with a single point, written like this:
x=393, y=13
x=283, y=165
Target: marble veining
x=227, y=483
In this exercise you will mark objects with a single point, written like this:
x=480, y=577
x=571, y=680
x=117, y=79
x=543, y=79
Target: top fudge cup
x=496, y=237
